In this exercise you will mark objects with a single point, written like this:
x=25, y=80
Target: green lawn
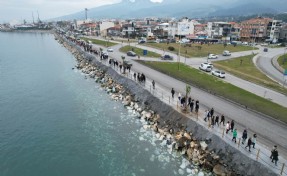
x=139, y=51
x=248, y=71
x=217, y=86
x=100, y=42
x=282, y=61
x=195, y=51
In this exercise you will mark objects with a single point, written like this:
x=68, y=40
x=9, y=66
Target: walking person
x=211, y=112
x=212, y=121
x=222, y=119
x=135, y=76
x=275, y=156
x=254, y=140
x=172, y=92
x=232, y=125
x=153, y=84
x=244, y=136
x=196, y=106
x=216, y=120
x=227, y=127
x=206, y=114
x=191, y=105
x=249, y=142
x=234, y=135
x=274, y=147
x=179, y=96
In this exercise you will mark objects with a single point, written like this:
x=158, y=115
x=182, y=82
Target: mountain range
x=181, y=8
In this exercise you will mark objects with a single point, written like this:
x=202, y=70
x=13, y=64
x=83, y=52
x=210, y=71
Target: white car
x=110, y=50
x=212, y=56
x=226, y=53
x=205, y=67
x=218, y=73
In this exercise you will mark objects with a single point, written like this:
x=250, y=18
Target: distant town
x=258, y=29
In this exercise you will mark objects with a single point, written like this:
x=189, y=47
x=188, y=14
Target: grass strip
x=198, y=50
x=139, y=51
x=244, y=68
x=282, y=60
x=100, y=42
x=219, y=87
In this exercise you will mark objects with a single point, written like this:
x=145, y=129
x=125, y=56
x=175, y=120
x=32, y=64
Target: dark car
x=166, y=57
x=265, y=49
x=131, y=53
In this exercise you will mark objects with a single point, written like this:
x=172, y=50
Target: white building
x=181, y=28
x=218, y=30
x=273, y=30
x=104, y=25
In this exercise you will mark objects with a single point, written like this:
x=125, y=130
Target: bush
x=171, y=48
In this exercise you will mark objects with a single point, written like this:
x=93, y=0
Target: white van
x=205, y=67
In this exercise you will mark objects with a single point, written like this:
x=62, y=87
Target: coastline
x=198, y=144
x=50, y=31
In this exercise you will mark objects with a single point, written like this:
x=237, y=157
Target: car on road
x=141, y=41
x=127, y=63
x=110, y=50
x=212, y=56
x=131, y=53
x=265, y=49
x=226, y=53
x=166, y=57
x=218, y=73
x=205, y=67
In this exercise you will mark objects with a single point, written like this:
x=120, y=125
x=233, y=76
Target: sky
x=15, y=11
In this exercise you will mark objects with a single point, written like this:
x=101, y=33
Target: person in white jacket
x=227, y=127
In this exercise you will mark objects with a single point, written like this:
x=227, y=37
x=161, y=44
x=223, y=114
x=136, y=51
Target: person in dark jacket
x=191, y=105
x=274, y=148
x=211, y=112
x=249, y=142
x=172, y=92
x=216, y=120
x=222, y=120
x=232, y=125
x=244, y=136
x=275, y=156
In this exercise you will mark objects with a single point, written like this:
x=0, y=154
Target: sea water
x=54, y=122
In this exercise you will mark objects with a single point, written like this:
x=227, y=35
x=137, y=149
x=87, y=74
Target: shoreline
x=197, y=144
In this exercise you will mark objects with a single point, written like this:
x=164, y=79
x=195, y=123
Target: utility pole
x=33, y=17
x=86, y=13
x=38, y=17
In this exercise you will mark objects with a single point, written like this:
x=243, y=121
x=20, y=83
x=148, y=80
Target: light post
x=123, y=58
x=178, y=60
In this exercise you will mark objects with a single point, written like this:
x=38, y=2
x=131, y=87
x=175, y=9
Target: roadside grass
x=195, y=51
x=219, y=87
x=100, y=42
x=248, y=71
x=139, y=51
x=282, y=62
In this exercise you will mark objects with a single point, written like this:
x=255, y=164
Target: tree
x=187, y=92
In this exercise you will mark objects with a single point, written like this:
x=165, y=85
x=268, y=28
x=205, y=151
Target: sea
x=54, y=122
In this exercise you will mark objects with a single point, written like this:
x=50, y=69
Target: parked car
x=205, y=67
x=212, y=56
x=265, y=49
x=208, y=63
x=131, y=53
x=141, y=41
x=218, y=73
x=226, y=53
x=166, y=57
x=110, y=50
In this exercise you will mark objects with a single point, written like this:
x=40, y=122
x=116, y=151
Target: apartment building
x=181, y=28
x=254, y=29
x=273, y=31
x=219, y=30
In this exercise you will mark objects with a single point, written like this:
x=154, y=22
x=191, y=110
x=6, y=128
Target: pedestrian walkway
x=260, y=153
